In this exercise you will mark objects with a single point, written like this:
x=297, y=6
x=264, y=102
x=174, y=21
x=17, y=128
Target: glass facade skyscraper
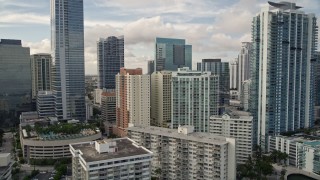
x=282, y=90
x=110, y=60
x=67, y=47
x=216, y=67
x=15, y=78
x=172, y=54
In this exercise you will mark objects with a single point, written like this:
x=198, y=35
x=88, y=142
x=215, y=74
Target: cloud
x=25, y=18
x=38, y=47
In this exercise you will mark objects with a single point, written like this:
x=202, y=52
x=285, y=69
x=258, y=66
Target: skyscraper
x=15, y=78
x=284, y=43
x=244, y=64
x=234, y=75
x=110, y=59
x=161, y=98
x=150, y=67
x=67, y=48
x=41, y=73
x=195, y=97
x=172, y=54
x=317, y=87
x=216, y=67
x=132, y=99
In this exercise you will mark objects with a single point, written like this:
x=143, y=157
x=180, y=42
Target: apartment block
x=184, y=154
x=132, y=99
x=238, y=125
x=117, y=159
x=161, y=99
x=41, y=73
x=303, y=150
x=195, y=97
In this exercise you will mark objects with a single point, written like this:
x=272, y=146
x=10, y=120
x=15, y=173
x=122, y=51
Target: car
x=51, y=178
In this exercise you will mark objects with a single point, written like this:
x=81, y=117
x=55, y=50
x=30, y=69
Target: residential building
x=172, y=54
x=110, y=52
x=45, y=104
x=37, y=144
x=5, y=166
x=67, y=46
x=317, y=87
x=244, y=64
x=97, y=96
x=41, y=73
x=216, y=67
x=303, y=151
x=195, y=97
x=118, y=158
x=238, y=125
x=150, y=67
x=89, y=109
x=234, y=78
x=15, y=77
x=282, y=89
x=161, y=99
x=184, y=154
x=108, y=107
x=132, y=99
x=245, y=94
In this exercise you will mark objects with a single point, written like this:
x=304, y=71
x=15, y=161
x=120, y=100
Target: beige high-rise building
x=161, y=99
x=41, y=73
x=132, y=99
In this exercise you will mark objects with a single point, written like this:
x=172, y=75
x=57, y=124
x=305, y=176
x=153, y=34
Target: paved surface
x=27, y=167
x=43, y=176
x=6, y=143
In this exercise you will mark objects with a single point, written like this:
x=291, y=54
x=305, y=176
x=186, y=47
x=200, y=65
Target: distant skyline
x=214, y=28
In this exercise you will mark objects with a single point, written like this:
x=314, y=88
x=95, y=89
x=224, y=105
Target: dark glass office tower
x=68, y=58
x=110, y=53
x=172, y=54
x=15, y=79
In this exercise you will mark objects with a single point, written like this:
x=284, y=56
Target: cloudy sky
x=215, y=28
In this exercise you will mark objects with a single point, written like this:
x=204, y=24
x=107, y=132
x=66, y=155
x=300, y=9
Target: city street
x=6, y=143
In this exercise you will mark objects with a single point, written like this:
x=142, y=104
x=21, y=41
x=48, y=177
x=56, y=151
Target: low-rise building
x=303, y=150
x=5, y=166
x=118, y=158
x=238, y=125
x=44, y=138
x=185, y=154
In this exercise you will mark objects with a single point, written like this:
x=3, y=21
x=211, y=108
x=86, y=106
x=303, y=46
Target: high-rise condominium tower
x=234, y=78
x=216, y=67
x=132, y=99
x=41, y=73
x=195, y=97
x=284, y=43
x=67, y=48
x=161, y=98
x=172, y=54
x=15, y=77
x=110, y=59
x=244, y=64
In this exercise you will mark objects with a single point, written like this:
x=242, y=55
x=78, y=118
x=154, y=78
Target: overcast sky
x=215, y=28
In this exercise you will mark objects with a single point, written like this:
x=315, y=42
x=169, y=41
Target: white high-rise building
x=45, y=104
x=245, y=95
x=161, y=98
x=282, y=87
x=234, y=76
x=138, y=99
x=238, y=125
x=244, y=64
x=67, y=46
x=195, y=97
x=184, y=154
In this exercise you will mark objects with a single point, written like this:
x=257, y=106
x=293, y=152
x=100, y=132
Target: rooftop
x=194, y=136
x=125, y=148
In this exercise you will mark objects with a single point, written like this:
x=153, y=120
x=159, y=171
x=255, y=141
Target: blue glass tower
x=282, y=90
x=172, y=54
x=68, y=58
